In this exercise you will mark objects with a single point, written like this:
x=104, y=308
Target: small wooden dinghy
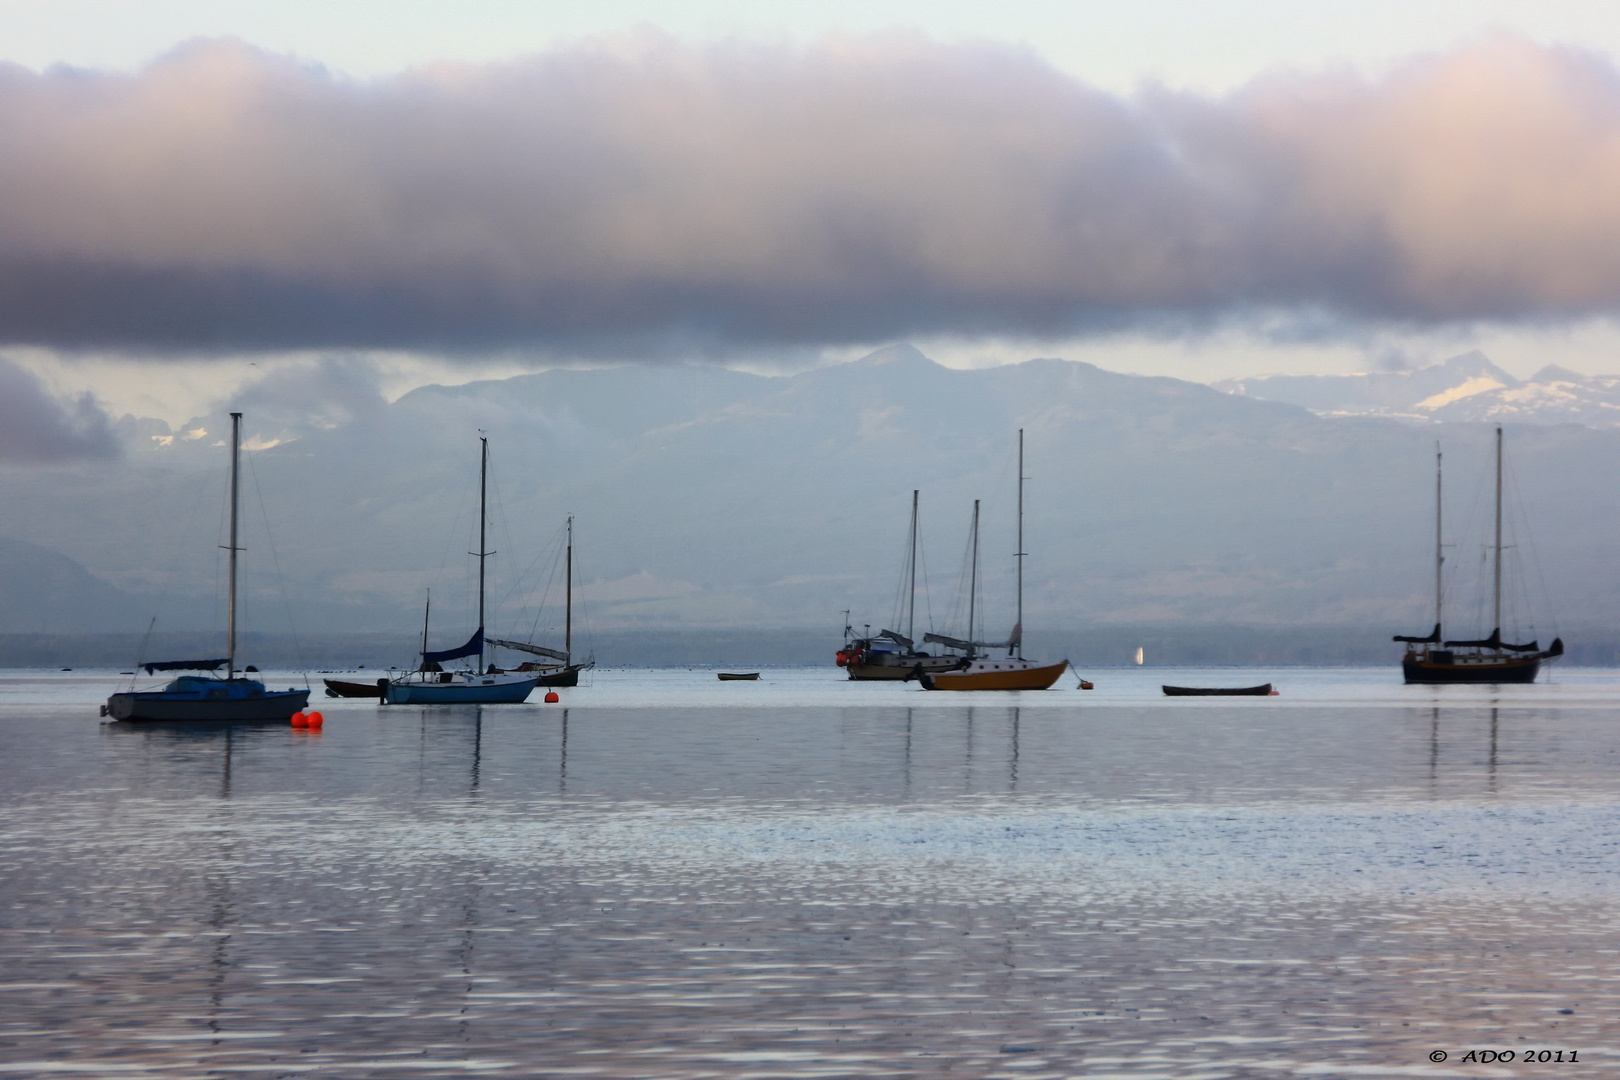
x=737, y=676
x=340, y=688
x=1263, y=690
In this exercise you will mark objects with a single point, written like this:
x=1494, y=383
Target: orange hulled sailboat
x=1010, y=672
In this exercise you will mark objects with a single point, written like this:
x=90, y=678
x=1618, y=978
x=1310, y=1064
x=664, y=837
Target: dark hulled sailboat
x=233, y=699
x=1431, y=659
x=561, y=671
x=891, y=655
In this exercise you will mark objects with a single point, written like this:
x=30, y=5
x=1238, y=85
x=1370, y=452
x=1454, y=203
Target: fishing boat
x=233, y=699
x=1013, y=671
x=1432, y=660
x=890, y=655
x=430, y=684
x=562, y=671
x=1263, y=690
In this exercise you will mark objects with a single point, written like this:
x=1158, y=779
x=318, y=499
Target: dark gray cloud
x=36, y=428
x=635, y=195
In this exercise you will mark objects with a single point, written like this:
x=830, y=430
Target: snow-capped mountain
x=1462, y=389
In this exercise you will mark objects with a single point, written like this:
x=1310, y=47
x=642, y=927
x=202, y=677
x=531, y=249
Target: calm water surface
x=665, y=876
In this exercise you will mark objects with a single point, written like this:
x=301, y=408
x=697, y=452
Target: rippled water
x=665, y=876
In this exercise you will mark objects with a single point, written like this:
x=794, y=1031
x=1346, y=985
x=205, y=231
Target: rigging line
x=582, y=616
x=922, y=554
x=959, y=605
x=898, y=607
x=499, y=514
x=448, y=542
x=275, y=561
x=557, y=548
x=550, y=548
x=174, y=567
x=1530, y=543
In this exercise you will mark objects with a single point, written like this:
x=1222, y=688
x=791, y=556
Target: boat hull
x=343, y=689
x=1263, y=690
x=897, y=666
x=479, y=690
x=998, y=675
x=1470, y=670
x=163, y=706
x=737, y=676
x=568, y=676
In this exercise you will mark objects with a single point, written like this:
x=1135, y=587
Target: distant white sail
x=1139, y=654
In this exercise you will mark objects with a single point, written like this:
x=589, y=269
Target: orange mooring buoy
x=315, y=719
x=551, y=697
x=300, y=720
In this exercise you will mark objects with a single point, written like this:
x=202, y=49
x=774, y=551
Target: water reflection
x=640, y=892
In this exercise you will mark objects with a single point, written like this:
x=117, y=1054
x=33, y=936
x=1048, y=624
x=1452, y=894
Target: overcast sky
x=1197, y=189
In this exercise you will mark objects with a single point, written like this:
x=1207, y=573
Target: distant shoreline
x=1184, y=646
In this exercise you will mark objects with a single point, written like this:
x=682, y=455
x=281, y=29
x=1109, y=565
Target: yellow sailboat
x=1010, y=672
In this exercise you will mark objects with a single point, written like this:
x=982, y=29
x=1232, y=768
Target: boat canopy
x=184, y=665
x=474, y=646
x=535, y=650
x=898, y=638
x=1432, y=639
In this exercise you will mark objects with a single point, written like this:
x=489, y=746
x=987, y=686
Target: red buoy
x=551, y=697
x=300, y=720
x=315, y=719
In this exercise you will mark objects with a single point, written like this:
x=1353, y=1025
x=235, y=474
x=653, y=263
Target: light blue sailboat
x=430, y=684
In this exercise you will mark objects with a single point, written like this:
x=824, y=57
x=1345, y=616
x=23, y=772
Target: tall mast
x=568, y=605
x=427, y=609
x=483, y=475
x=911, y=613
x=1496, y=592
x=236, y=469
x=973, y=577
x=1439, y=551
x=1018, y=625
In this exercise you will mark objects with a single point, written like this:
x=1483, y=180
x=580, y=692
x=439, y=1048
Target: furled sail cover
x=524, y=646
x=184, y=665
x=897, y=637
x=1495, y=642
x=962, y=643
x=474, y=646
x=1432, y=639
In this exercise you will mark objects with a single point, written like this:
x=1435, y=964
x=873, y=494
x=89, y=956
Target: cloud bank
x=35, y=428
x=637, y=195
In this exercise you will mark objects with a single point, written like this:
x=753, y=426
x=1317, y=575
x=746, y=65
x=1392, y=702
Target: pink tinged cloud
x=634, y=193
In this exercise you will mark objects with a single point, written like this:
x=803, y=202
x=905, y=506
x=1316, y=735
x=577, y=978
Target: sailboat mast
x=483, y=475
x=568, y=597
x=911, y=611
x=1496, y=591
x=973, y=578
x=427, y=609
x=1018, y=624
x=1439, y=550
x=236, y=470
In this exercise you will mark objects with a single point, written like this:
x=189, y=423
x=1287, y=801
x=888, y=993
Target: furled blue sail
x=474, y=646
